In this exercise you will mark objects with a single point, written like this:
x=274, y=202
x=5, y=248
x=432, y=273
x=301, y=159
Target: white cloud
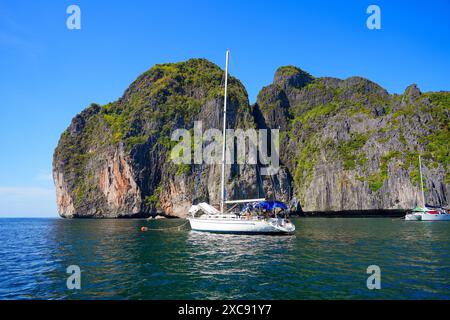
x=37, y=200
x=27, y=202
x=27, y=191
x=44, y=176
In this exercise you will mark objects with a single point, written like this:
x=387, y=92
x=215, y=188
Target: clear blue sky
x=49, y=73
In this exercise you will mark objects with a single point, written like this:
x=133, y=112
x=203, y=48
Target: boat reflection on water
x=225, y=254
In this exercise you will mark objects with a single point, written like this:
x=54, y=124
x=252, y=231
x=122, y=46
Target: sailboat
x=427, y=212
x=258, y=216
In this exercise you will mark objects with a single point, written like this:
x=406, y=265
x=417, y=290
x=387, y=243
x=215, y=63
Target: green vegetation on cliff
x=139, y=125
x=345, y=144
x=354, y=124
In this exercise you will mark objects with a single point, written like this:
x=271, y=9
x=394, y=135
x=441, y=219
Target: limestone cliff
x=350, y=145
x=345, y=144
x=113, y=161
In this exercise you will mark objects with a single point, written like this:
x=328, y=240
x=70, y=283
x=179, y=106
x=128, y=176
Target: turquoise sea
x=327, y=258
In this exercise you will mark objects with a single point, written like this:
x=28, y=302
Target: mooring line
x=143, y=229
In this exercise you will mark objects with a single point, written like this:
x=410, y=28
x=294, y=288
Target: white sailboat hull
x=237, y=225
x=435, y=217
x=427, y=217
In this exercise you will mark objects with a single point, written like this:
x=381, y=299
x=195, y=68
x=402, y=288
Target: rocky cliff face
x=345, y=144
x=352, y=146
x=113, y=161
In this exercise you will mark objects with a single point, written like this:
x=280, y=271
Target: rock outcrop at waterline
x=345, y=144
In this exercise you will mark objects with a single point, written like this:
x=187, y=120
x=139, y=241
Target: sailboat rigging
x=257, y=216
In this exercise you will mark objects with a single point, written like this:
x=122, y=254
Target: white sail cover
x=206, y=208
x=194, y=209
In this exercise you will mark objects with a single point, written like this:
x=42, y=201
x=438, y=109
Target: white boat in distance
x=427, y=213
x=209, y=219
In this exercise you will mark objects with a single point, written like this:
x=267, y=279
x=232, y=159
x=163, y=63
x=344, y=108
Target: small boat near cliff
x=258, y=216
x=427, y=212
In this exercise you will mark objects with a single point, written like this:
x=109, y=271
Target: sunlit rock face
x=344, y=145
x=350, y=145
x=114, y=160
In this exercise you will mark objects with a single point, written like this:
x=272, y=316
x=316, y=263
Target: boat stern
x=413, y=217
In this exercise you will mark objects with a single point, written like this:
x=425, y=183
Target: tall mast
x=222, y=187
x=421, y=182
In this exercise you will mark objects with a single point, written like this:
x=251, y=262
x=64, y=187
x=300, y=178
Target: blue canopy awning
x=270, y=205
